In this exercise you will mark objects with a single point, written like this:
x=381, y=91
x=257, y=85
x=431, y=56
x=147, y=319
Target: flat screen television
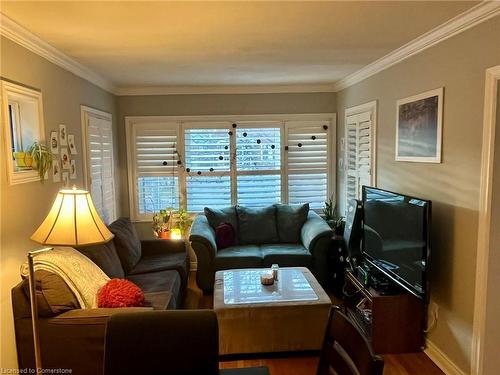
x=396, y=237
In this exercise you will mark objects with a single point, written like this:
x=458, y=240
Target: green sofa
x=290, y=236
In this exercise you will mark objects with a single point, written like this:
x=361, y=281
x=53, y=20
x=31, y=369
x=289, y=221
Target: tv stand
x=392, y=323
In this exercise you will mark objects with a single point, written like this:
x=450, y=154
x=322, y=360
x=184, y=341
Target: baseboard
x=442, y=360
x=193, y=266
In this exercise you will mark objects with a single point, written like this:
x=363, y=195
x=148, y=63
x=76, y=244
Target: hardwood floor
x=400, y=364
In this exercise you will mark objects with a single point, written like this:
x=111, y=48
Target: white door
x=98, y=159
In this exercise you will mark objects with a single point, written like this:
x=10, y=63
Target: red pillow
x=224, y=235
x=120, y=293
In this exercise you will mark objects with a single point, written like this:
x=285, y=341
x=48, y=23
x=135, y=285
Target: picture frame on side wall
x=56, y=171
x=63, y=135
x=419, y=126
x=54, y=142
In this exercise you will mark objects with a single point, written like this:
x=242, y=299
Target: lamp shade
x=72, y=220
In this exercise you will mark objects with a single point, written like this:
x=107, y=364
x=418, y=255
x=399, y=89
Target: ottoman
x=290, y=315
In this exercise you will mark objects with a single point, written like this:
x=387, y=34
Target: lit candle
x=175, y=234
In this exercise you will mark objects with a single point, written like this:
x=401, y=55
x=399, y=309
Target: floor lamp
x=72, y=220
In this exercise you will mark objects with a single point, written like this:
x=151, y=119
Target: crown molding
x=25, y=38
x=464, y=21
x=223, y=89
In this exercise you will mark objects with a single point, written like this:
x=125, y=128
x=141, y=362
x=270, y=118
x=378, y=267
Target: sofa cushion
x=163, y=281
x=286, y=255
x=217, y=216
x=161, y=262
x=52, y=294
x=159, y=300
x=289, y=220
x=127, y=243
x=244, y=256
x=257, y=225
x=105, y=256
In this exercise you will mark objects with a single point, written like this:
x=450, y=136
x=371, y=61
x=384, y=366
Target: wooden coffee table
x=290, y=315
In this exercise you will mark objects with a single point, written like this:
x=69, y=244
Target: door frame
x=484, y=219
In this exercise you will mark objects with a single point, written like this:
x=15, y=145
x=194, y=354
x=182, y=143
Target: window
x=215, y=161
x=359, y=149
x=98, y=161
x=258, y=164
x=307, y=163
x=208, y=180
x=23, y=109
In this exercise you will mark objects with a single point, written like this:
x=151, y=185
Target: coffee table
x=290, y=315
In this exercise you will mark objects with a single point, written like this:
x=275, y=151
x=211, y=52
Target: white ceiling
x=137, y=44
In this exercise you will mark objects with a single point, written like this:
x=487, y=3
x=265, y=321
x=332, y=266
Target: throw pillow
x=217, y=216
x=120, y=293
x=127, y=243
x=290, y=219
x=53, y=295
x=224, y=235
x=257, y=225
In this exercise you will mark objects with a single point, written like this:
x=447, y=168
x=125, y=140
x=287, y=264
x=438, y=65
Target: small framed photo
x=54, y=142
x=63, y=135
x=65, y=158
x=65, y=179
x=419, y=127
x=56, y=171
x=72, y=169
x=71, y=144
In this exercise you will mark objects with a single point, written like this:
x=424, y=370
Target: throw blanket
x=83, y=276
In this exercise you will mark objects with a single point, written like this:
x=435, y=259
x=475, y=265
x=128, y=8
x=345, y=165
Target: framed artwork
x=63, y=135
x=72, y=169
x=54, y=142
x=71, y=144
x=56, y=171
x=65, y=158
x=419, y=127
x=65, y=179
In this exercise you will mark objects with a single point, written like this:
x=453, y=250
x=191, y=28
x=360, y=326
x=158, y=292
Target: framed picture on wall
x=419, y=127
x=54, y=142
x=63, y=135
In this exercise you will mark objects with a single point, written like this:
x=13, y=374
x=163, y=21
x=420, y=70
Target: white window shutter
x=100, y=148
x=307, y=164
x=258, y=163
x=156, y=169
x=358, y=148
x=208, y=176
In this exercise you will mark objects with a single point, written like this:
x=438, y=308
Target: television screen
x=396, y=237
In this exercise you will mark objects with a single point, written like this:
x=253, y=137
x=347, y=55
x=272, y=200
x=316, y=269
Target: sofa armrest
x=92, y=316
x=317, y=236
x=203, y=233
x=314, y=229
x=157, y=247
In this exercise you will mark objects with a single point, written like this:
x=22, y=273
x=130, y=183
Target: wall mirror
x=22, y=117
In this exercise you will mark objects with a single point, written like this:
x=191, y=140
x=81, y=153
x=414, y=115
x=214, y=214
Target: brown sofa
x=73, y=338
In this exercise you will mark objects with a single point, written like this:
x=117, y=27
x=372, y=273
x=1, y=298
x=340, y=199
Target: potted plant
x=183, y=222
x=42, y=159
x=23, y=160
x=162, y=222
x=331, y=216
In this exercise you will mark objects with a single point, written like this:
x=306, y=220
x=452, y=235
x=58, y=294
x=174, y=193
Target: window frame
x=12, y=92
x=225, y=121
